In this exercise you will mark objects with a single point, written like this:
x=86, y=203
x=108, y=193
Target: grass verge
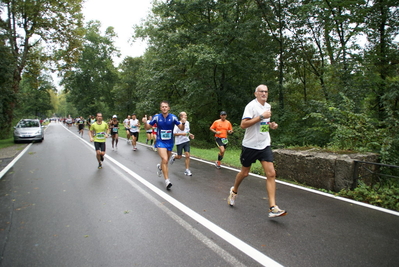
x=7, y=142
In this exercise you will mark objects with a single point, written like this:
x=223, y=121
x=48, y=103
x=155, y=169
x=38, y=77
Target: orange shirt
x=221, y=126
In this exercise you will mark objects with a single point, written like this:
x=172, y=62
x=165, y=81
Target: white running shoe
x=159, y=170
x=116, y=148
x=172, y=159
x=188, y=173
x=276, y=212
x=232, y=197
x=134, y=148
x=168, y=184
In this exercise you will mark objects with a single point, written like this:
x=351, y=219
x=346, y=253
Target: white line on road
x=11, y=164
x=234, y=241
x=308, y=189
x=208, y=242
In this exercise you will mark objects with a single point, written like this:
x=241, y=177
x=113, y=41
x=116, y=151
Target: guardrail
x=376, y=173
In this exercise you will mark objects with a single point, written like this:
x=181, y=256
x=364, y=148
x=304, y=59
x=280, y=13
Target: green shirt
x=99, y=130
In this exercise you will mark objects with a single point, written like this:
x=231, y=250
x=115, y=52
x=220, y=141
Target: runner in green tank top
x=98, y=133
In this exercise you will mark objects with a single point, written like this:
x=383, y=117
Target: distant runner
x=114, y=128
x=134, y=130
x=126, y=123
x=81, y=126
x=98, y=133
x=221, y=128
x=182, y=140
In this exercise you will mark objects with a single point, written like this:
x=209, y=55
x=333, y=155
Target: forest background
x=331, y=67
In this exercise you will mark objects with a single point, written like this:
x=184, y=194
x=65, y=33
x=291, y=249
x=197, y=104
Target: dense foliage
x=91, y=79
x=24, y=26
x=331, y=66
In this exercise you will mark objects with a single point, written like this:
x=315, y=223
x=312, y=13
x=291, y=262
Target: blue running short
x=162, y=144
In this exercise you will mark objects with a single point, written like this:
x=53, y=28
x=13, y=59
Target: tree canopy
x=26, y=24
x=331, y=65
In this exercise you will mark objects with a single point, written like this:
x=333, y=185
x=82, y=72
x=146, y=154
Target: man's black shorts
x=221, y=141
x=249, y=155
x=99, y=146
x=135, y=134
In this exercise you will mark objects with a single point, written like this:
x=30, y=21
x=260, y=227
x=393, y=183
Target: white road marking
x=11, y=164
x=234, y=241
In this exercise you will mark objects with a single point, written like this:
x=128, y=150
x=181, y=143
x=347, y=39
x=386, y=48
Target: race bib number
x=100, y=135
x=225, y=141
x=166, y=134
x=264, y=127
x=115, y=129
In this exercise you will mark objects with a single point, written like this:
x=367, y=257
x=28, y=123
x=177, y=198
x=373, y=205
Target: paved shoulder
x=7, y=154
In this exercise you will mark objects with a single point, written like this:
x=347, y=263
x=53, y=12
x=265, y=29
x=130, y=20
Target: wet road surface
x=58, y=209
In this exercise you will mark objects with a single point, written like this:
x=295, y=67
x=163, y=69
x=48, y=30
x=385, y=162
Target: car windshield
x=28, y=124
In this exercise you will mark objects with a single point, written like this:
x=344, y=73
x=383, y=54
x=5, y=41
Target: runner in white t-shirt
x=182, y=141
x=256, y=146
x=126, y=123
x=134, y=130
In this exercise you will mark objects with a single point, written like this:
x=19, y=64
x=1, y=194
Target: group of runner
x=167, y=127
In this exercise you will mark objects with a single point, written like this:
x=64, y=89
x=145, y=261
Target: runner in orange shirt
x=221, y=128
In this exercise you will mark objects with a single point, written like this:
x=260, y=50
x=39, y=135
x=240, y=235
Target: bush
x=385, y=197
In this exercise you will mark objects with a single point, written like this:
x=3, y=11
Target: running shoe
x=102, y=158
x=188, y=173
x=159, y=170
x=100, y=166
x=217, y=164
x=232, y=197
x=134, y=148
x=276, y=212
x=172, y=159
x=168, y=184
x=116, y=148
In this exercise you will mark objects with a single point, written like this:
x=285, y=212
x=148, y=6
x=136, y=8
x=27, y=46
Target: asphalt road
x=58, y=209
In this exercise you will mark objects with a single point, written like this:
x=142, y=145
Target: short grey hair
x=260, y=85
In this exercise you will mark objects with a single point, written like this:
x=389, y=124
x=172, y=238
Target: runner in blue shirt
x=165, y=141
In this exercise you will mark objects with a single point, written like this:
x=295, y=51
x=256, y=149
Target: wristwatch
x=261, y=117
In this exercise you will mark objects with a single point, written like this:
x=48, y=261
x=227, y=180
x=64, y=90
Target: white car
x=28, y=130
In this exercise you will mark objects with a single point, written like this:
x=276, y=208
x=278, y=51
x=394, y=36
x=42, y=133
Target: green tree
x=125, y=90
x=90, y=81
x=205, y=56
x=34, y=96
x=7, y=95
x=27, y=24
x=382, y=57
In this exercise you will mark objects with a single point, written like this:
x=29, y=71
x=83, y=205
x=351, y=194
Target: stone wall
x=330, y=171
